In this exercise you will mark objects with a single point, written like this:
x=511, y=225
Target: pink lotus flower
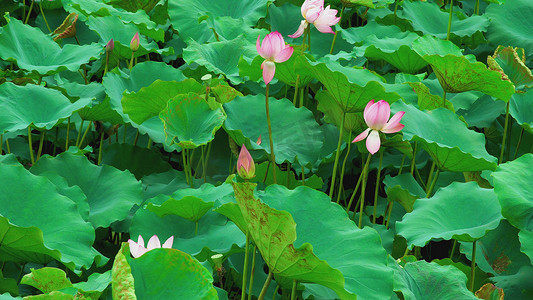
x=110, y=45
x=377, y=118
x=314, y=13
x=138, y=249
x=134, y=44
x=273, y=50
x=245, y=164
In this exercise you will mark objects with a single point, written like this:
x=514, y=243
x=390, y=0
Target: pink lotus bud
x=134, y=44
x=259, y=140
x=110, y=46
x=245, y=164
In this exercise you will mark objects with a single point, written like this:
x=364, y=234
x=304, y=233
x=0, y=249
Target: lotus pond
x=257, y=149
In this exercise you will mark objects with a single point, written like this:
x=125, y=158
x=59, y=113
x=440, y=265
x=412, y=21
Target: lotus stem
x=376, y=190
x=29, y=12
x=136, y=138
x=296, y=90
x=444, y=98
x=453, y=249
x=85, y=134
x=473, y=266
x=504, y=133
x=68, y=133
x=184, y=160
x=389, y=212
x=288, y=173
x=476, y=8
x=413, y=160
x=106, y=62
x=341, y=181
x=149, y=144
x=272, y=155
x=44, y=17
x=252, y=274
x=41, y=141
x=336, y=31
x=100, y=147
x=1, y=144
x=265, y=286
x=7, y=146
x=55, y=142
x=450, y=21
x=365, y=174
x=519, y=142
x=353, y=194
x=275, y=292
x=430, y=188
x=430, y=175
x=293, y=291
x=401, y=165
x=125, y=132
x=30, y=145
x=337, y=155
x=196, y=228
x=204, y=171
x=303, y=175
x=131, y=60
x=245, y=268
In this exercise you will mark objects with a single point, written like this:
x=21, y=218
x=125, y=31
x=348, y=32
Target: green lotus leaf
x=101, y=111
x=456, y=149
x=55, y=295
x=194, y=19
x=460, y=211
x=8, y=285
x=294, y=131
x=517, y=286
x=97, y=8
x=138, y=160
x=223, y=92
x=111, y=193
x=32, y=50
x=351, y=88
x=274, y=233
x=285, y=178
x=526, y=243
x=490, y=291
x=40, y=237
x=47, y=279
x=404, y=189
x=190, y=122
x=95, y=284
x=188, y=207
x=395, y=50
x=417, y=280
x=358, y=35
x=353, y=122
x=22, y=106
x=367, y=3
x=135, y=5
x=160, y=274
x=510, y=24
x=510, y=62
x=426, y=100
x=290, y=71
x=428, y=18
x=498, y=252
x=457, y=73
x=521, y=108
x=480, y=277
x=512, y=186
x=483, y=111
x=151, y=100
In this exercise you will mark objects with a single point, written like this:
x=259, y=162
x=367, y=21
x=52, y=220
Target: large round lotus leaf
x=160, y=274
x=47, y=279
x=395, y=50
x=357, y=35
x=511, y=24
x=457, y=73
x=518, y=286
x=194, y=19
x=151, y=100
x=274, y=233
x=97, y=8
x=404, y=189
x=456, y=149
x=426, y=100
x=526, y=243
x=190, y=122
x=498, y=252
x=428, y=18
x=189, y=207
x=33, y=104
x=446, y=138
x=295, y=133
x=111, y=193
x=358, y=254
x=521, y=108
x=460, y=211
x=354, y=123
x=351, y=88
x=218, y=57
x=510, y=62
x=31, y=236
x=32, y=50
x=515, y=192
x=421, y=280
x=138, y=160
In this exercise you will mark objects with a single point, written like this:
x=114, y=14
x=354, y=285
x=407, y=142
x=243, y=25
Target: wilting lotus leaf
x=510, y=62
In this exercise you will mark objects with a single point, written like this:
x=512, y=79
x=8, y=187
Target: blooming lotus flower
x=137, y=248
x=245, y=164
x=273, y=50
x=314, y=13
x=110, y=46
x=377, y=118
x=134, y=44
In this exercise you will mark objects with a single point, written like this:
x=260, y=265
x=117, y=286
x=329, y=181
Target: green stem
x=196, y=228
x=204, y=171
x=293, y=291
x=401, y=165
x=100, y=147
x=184, y=160
x=473, y=266
x=337, y=155
x=68, y=133
x=131, y=60
x=41, y=141
x=302, y=93
x=395, y=10
x=413, y=160
x=125, y=133
x=504, y=133
x=149, y=145
x=44, y=17
x=444, y=98
x=288, y=173
x=430, y=188
x=450, y=21
x=309, y=37
x=1, y=144
x=265, y=286
x=272, y=155
x=85, y=134
x=245, y=268
x=30, y=146
x=136, y=138
x=304, y=38
x=106, y=62
x=29, y=12
x=363, y=187
x=476, y=8
x=518, y=144
x=23, y=266
x=7, y=146
x=296, y=90
x=453, y=249
x=377, y=187
x=353, y=193
x=79, y=133
x=430, y=176
x=303, y=175
x=391, y=204
x=252, y=274
x=341, y=181
x=275, y=292
x=55, y=141
x=336, y=32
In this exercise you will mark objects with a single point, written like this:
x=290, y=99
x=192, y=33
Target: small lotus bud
x=110, y=46
x=134, y=44
x=207, y=77
x=245, y=164
x=259, y=140
x=217, y=260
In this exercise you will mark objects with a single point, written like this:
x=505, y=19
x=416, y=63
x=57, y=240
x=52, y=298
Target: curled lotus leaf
x=68, y=28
